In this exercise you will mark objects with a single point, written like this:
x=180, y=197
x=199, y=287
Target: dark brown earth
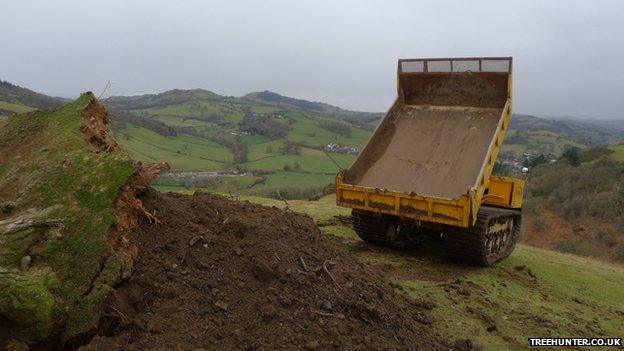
x=224, y=275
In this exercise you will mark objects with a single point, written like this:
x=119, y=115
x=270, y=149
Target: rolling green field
x=218, y=143
x=182, y=152
x=542, y=141
x=618, y=152
x=17, y=108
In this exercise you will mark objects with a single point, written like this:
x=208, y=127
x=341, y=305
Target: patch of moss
x=58, y=167
x=27, y=299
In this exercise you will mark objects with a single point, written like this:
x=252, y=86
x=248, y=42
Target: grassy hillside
x=578, y=207
x=12, y=97
x=56, y=193
x=586, y=132
x=618, y=151
x=280, y=145
x=312, y=107
x=532, y=293
x=10, y=108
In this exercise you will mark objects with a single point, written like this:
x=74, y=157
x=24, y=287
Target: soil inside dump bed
x=434, y=151
x=227, y=275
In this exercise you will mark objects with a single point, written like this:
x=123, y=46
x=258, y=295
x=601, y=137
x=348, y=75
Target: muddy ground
x=218, y=274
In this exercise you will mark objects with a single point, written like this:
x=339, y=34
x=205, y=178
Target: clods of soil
x=217, y=274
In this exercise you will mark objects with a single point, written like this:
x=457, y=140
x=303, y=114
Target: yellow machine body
x=432, y=155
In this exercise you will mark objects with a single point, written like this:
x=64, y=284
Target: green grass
x=182, y=152
x=315, y=162
x=199, y=108
x=182, y=121
x=17, y=108
x=285, y=182
x=618, y=152
x=306, y=130
x=300, y=180
x=544, y=141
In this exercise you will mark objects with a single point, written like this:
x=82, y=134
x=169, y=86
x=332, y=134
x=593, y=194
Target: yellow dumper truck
x=427, y=168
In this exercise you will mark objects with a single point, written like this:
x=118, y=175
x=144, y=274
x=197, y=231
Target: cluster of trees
x=238, y=148
x=290, y=148
x=121, y=118
x=336, y=127
x=265, y=125
x=571, y=155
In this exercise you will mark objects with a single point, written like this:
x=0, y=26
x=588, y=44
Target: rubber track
x=468, y=245
x=370, y=227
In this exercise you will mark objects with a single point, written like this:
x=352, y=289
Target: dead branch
x=325, y=314
x=152, y=218
x=118, y=312
x=283, y=199
x=305, y=267
x=329, y=273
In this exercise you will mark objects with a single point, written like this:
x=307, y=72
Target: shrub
x=290, y=148
x=265, y=125
x=539, y=223
x=568, y=246
x=535, y=161
x=573, y=208
x=619, y=223
x=620, y=253
x=571, y=155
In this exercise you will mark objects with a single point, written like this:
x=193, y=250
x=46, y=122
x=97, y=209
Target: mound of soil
x=224, y=275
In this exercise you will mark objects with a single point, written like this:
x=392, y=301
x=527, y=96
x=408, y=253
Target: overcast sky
x=568, y=55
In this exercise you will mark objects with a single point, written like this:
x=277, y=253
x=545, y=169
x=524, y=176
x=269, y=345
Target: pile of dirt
x=227, y=275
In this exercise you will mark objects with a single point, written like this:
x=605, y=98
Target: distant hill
x=275, y=143
x=592, y=133
x=170, y=97
x=15, y=99
x=611, y=124
x=271, y=98
x=531, y=137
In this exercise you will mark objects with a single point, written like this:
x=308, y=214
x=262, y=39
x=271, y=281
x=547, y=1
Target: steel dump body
x=432, y=151
x=432, y=155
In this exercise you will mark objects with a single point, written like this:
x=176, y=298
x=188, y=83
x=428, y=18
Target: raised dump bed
x=428, y=150
x=432, y=155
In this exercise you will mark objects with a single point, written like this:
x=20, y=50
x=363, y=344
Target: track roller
x=491, y=239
